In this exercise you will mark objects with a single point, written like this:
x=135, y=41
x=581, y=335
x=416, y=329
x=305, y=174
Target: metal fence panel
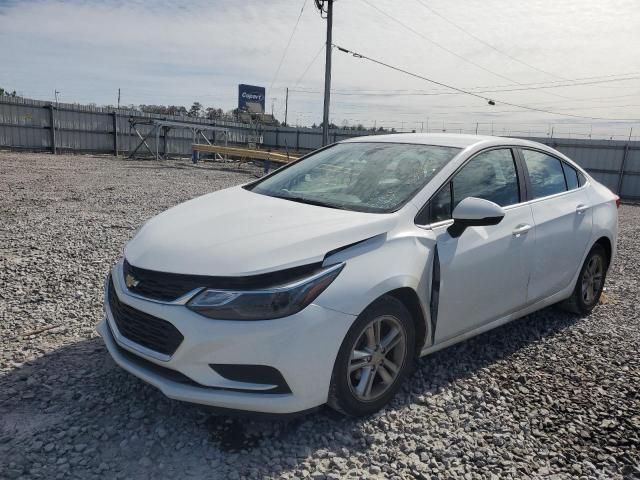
x=633, y=160
x=609, y=180
x=630, y=187
x=310, y=139
x=26, y=124
x=594, y=157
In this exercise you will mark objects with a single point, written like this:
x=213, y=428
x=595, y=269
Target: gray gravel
x=551, y=395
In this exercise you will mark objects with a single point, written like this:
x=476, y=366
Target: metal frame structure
x=163, y=126
x=246, y=153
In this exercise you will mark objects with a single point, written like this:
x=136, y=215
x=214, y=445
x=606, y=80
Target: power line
x=466, y=92
x=286, y=49
x=580, y=79
x=576, y=84
x=449, y=50
x=310, y=65
x=440, y=46
x=474, y=89
x=85, y=89
x=457, y=109
x=551, y=84
x=480, y=40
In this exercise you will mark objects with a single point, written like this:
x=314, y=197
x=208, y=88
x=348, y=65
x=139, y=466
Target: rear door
x=483, y=274
x=563, y=219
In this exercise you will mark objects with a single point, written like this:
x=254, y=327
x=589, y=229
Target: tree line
x=7, y=93
x=197, y=110
x=358, y=127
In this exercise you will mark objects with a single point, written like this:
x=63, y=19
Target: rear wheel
x=588, y=289
x=374, y=358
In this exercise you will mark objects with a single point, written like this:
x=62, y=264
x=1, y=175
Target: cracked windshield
x=366, y=177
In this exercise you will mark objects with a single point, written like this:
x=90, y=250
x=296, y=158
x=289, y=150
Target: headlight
x=264, y=304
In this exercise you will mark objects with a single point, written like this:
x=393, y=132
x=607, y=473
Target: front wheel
x=375, y=357
x=588, y=289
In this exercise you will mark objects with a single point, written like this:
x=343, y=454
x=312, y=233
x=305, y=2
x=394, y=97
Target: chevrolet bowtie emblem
x=131, y=281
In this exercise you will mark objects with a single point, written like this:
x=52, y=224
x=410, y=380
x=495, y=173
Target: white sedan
x=324, y=281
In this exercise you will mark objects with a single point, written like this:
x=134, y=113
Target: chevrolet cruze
x=324, y=281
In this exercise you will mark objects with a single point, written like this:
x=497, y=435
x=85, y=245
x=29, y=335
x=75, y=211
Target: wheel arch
x=409, y=298
x=605, y=243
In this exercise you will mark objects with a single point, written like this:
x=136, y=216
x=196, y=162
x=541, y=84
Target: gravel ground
x=551, y=395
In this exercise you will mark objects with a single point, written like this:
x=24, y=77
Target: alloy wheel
x=592, y=278
x=377, y=358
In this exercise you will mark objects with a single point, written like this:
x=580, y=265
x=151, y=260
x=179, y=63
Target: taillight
x=618, y=201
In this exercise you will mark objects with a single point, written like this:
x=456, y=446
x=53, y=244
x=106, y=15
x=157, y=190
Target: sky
x=178, y=52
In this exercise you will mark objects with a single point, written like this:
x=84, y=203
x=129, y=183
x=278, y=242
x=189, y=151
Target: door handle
x=521, y=229
x=580, y=209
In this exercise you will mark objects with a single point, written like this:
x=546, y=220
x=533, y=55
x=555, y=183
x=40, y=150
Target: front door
x=483, y=273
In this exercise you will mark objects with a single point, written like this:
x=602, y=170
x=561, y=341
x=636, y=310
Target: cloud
x=178, y=52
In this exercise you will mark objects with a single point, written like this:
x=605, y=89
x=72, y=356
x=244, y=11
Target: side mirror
x=474, y=212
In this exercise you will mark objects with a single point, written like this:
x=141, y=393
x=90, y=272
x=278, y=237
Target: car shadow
x=77, y=394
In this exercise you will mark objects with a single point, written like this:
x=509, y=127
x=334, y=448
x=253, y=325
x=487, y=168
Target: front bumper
x=302, y=347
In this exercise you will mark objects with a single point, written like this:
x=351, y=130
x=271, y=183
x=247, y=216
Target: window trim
x=566, y=165
x=523, y=175
x=522, y=187
x=531, y=200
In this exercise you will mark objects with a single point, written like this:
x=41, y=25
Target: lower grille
x=175, y=376
x=253, y=374
x=165, y=372
x=144, y=329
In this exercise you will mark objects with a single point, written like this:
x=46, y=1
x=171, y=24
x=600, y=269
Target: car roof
x=443, y=139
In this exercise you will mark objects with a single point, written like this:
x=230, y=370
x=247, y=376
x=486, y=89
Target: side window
x=490, y=175
x=545, y=173
x=571, y=176
x=440, y=208
x=581, y=179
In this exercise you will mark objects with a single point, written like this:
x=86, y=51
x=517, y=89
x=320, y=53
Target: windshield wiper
x=309, y=201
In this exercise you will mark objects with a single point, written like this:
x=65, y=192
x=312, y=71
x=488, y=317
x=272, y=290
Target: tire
x=586, y=295
x=350, y=393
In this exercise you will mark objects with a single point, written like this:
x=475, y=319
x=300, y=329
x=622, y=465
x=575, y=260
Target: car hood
x=237, y=232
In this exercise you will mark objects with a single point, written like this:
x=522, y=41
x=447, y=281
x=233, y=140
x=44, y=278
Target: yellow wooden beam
x=245, y=153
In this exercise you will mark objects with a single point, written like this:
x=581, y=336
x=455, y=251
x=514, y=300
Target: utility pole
x=286, y=106
x=118, y=97
x=327, y=75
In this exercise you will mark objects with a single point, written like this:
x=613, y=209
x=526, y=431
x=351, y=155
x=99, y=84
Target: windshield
x=366, y=177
